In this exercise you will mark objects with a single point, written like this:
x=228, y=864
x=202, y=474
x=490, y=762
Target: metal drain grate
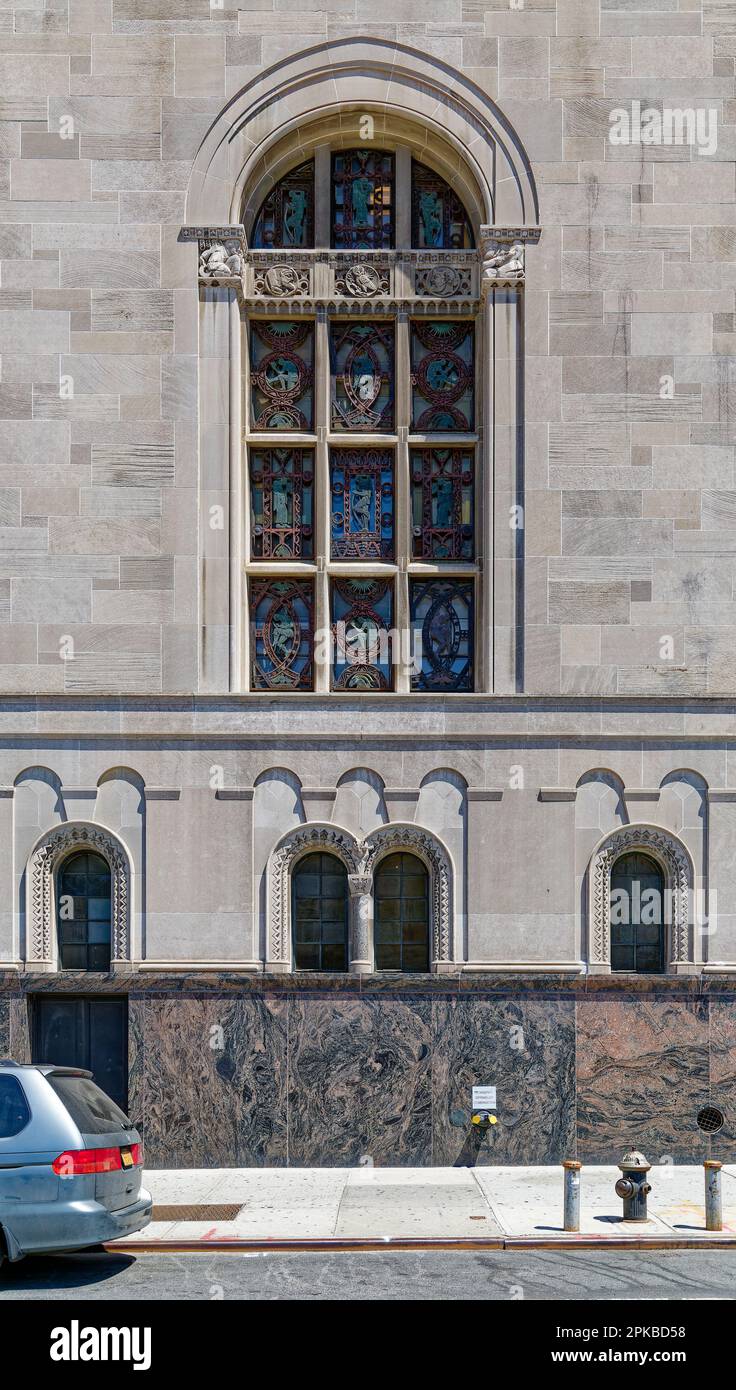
x=226, y=1211
x=710, y=1119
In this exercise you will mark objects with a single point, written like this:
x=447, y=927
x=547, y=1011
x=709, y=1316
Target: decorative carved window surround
x=41, y=875
x=460, y=133
x=677, y=866
x=360, y=857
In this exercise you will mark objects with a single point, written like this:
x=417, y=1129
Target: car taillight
x=74, y=1162
x=136, y=1153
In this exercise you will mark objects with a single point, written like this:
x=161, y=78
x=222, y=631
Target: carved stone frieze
x=362, y=280
x=287, y=281
x=442, y=281
x=503, y=255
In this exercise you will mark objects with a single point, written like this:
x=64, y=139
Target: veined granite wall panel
x=525, y=1047
x=242, y=1074
x=208, y=1080
x=20, y=1028
x=642, y=1075
x=359, y=1080
x=723, y=1074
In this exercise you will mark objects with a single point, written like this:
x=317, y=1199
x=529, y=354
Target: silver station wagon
x=71, y=1166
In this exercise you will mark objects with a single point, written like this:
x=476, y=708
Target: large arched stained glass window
x=401, y=924
x=364, y=427
x=83, y=912
x=637, y=914
x=319, y=913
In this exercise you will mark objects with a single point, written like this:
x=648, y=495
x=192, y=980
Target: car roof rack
x=8, y=1062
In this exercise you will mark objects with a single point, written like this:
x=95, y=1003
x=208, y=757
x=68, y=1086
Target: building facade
x=368, y=533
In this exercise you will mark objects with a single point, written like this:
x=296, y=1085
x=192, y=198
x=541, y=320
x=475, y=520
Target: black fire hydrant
x=633, y=1186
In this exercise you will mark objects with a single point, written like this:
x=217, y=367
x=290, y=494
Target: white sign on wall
x=484, y=1097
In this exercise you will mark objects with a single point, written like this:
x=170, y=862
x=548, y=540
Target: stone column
x=221, y=278
x=502, y=281
x=361, y=923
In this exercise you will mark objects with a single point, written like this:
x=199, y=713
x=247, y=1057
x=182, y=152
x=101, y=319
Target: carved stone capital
x=359, y=885
x=221, y=253
x=503, y=255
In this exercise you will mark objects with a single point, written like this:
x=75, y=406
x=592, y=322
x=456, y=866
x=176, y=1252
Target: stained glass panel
x=362, y=504
x=439, y=219
x=442, y=376
x=362, y=367
x=362, y=200
x=442, y=504
x=286, y=216
x=282, y=374
x=282, y=624
x=281, y=491
x=442, y=631
x=362, y=620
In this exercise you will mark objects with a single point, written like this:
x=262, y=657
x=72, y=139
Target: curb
x=236, y=1244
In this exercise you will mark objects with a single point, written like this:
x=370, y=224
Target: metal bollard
x=571, y=1219
x=713, y=1205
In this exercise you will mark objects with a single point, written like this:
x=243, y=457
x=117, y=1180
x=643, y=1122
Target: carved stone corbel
x=221, y=253
x=503, y=255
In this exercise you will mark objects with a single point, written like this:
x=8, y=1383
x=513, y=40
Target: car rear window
x=14, y=1112
x=91, y=1110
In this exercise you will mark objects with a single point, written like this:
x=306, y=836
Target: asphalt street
x=496, y=1276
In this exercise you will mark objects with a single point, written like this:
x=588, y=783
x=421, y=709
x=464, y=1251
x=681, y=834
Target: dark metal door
x=91, y=1033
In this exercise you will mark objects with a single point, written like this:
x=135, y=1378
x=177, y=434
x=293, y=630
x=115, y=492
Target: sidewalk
x=497, y=1206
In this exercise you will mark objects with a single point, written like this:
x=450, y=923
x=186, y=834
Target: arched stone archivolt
x=360, y=75
x=360, y=857
x=677, y=866
x=43, y=866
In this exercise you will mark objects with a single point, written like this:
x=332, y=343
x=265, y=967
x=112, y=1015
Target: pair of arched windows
x=320, y=915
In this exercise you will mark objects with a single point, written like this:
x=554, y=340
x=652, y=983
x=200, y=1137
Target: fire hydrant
x=633, y=1186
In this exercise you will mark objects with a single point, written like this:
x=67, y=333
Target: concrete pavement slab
x=410, y=1202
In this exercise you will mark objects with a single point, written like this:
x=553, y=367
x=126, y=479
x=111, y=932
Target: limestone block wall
x=630, y=493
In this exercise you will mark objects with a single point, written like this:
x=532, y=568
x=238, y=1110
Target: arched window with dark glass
x=84, y=912
x=637, y=914
x=319, y=913
x=401, y=905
